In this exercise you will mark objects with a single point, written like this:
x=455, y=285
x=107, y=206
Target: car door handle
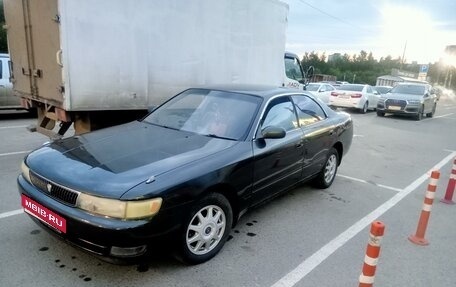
x=331, y=132
x=299, y=145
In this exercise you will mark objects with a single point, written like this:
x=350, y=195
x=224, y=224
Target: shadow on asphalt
x=16, y=114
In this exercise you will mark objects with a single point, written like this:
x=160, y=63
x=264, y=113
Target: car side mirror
x=272, y=132
x=376, y=93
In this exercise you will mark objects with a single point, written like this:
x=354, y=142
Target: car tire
x=364, y=108
x=380, y=114
x=327, y=174
x=419, y=115
x=205, y=230
x=431, y=114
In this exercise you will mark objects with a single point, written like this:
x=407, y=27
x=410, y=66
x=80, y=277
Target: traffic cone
x=451, y=186
x=366, y=279
x=418, y=238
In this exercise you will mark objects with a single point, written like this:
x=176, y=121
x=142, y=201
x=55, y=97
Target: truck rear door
x=34, y=42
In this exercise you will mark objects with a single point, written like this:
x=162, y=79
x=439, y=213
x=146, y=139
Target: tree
x=3, y=40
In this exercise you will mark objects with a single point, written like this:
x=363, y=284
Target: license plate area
x=394, y=108
x=44, y=214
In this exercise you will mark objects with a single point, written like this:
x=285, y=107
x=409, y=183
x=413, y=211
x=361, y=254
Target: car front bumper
x=107, y=237
x=399, y=109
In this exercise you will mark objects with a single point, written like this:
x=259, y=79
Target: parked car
x=7, y=99
x=408, y=99
x=383, y=89
x=320, y=90
x=185, y=173
x=361, y=97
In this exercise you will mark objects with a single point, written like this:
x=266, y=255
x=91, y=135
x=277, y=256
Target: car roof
x=264, y=91
x=412, y=84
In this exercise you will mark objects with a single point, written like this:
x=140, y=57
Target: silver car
x=408, y=99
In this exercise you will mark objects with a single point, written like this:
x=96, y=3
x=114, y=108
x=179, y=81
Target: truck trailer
x=105, y=62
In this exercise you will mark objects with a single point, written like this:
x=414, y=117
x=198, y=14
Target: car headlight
x=413, y=102
x=119, y=208
x=25, y=171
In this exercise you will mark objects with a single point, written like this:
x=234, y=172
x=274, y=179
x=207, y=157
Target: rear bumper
x=349, y=103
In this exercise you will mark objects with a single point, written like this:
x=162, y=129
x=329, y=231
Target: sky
x=421, y=28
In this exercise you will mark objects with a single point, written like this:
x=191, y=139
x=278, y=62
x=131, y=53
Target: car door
x=371, y=97
x=318, y=134
x=277, y=162
x=428, y=100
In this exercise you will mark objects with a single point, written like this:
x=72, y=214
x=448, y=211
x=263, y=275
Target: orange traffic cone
x=366, y=279
x=418, y=238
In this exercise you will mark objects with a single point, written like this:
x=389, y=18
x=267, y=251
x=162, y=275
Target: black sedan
x=185, y=173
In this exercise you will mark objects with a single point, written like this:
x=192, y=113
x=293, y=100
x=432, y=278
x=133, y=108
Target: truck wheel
x=206, y=229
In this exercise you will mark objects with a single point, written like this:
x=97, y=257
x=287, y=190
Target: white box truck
x=104, y=62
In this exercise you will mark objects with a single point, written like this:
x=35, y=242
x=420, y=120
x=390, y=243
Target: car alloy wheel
x=206, y=229
x=330, y=168
x=326, y=176
x=431, y=114
x=419, y=116
x=364, y=109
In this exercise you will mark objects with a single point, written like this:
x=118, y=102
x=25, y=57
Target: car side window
x=309, y=111
x=280, y=113
x=369, y=89
x=329, y=88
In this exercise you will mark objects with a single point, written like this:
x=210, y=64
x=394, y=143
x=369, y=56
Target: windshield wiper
x=219, y=137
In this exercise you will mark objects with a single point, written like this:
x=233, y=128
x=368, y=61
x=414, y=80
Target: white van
x=7, y=99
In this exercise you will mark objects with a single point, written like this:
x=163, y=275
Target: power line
x=331, y=16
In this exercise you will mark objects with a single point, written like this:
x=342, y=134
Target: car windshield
x=408, y=89
x=312, y=87
x=208, y=112
x=383, y=90
x=357, y=88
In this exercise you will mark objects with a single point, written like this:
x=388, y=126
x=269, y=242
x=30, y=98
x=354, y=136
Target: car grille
x=51, y=189
x=400, y=103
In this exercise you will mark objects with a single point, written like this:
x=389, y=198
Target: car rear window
x=357, y=88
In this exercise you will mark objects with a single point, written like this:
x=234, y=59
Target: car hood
x=397, y=96
x=109, y=162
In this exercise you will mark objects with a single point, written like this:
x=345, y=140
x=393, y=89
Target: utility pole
x=403, y=54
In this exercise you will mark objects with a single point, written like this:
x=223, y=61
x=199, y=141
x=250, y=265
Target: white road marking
x=373, y=183
x=323, y=253
x=12, y=127
x=361, y=136
x=11, y=213
x=16, y=152
x=443, y=116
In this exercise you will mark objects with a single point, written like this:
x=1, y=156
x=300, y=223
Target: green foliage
x=360, y=68
x=3, y=40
